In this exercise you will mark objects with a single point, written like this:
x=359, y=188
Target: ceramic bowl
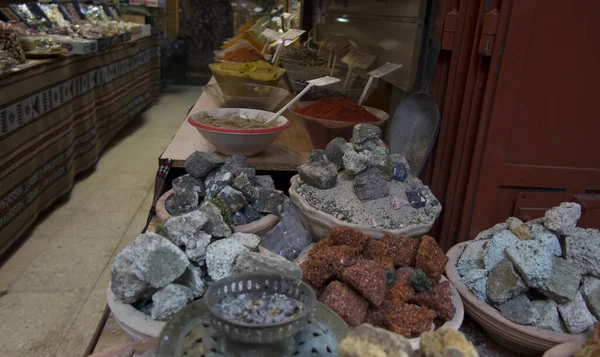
x=247, y=142
x=322, y=131
x=318, y=223
x=258, y=227
x=137, y=325
x=519, y=338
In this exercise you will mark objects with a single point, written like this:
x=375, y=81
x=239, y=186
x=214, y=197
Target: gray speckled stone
x=336, y=149
x=124, y=283
x=233, y=198
x=582, y=247
x=251, y=262
x=265, y=181
x=216, y=180
x=248, y=240
x=371, y=185
x=504, y=283
x=549, y=319
x=215, y=225
x=380, y=159
x=494, y=251
x=196, y=247
x=169, y=300
x=533, y=261
x=269, y=201
x=221, y=256
x=188, y=183
x=243, y=184
x=491, y=232
x=551, y=241
x=471, y=258
x=355, y=163
x=250, y=214
x=192, y=279
x=321, y=176
x=156, y=260
x=201, y=163
x=563, y=283
x=520, y=310
x=590, y=290
x=365, y=132
x=575, y=315
x=476, y=281
x=563, y=218
x=399, y=158
x=513, y=222
x=184, y=227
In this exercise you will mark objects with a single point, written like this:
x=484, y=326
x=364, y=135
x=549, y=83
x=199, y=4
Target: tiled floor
x=53, y=288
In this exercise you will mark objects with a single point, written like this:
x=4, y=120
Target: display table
x=57, y=116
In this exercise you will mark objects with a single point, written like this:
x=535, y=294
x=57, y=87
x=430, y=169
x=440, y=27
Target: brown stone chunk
x=403, y=250
x=431, y=258
x=338, y=257
x=323, y=243
x=368, y=279
x=348, y=236
x=375, y=315
x=379, y=252
x=409, y=320
x=345, y=302
x=438, y=298
x=402, y=290
x=317, y=271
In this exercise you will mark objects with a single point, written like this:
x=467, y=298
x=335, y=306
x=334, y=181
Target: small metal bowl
x=257, y=284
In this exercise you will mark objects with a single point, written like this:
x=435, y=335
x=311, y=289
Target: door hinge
x=488, y=32
x=449, y=30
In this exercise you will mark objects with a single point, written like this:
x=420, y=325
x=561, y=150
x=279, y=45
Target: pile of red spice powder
x=340, y=109
x=242, y=55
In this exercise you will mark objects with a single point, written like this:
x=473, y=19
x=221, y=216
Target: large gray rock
x=233, y=198
x=582, y=247
x=265, y=181
x=192, y=279
x=185, y=184
x=251, y=262
x=371, y=185
x=196, y=247
x=494, y=251
x=380, y=159
x=520, y=310
x=590, y=290
x=365, y=132
x=201, y=163
x=551, y=240
x=319, y=175
x=243, y=184
x=575, y=315
x=248, y=240
x=367, y=340
x=504, y=283
x=269, y=201
x=491, y=232
x=476, y=281
x=533, y=261
x=156, y=260
x=563, y=218
x=471, y=258
x=336, y=149
x=169, y=300
x=237, y=164
x=184, y=227
x=563, y=283
x=238, y=219
x=549, y=319
x=355, y=163
x=216, y=180
x=215, y=225
x=250, y=214
x=221, y=256
x=124, y=283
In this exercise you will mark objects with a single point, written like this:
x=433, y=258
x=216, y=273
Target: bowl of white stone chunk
x=524, y=339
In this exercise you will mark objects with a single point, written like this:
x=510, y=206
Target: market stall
x=63, y=99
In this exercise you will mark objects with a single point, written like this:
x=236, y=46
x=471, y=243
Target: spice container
x=246, y=95
x=322, y=131
x=259, y=72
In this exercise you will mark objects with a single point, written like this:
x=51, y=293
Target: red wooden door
x=541, y=141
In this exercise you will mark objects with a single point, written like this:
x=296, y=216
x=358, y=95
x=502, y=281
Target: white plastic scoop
x=319, y=82
x=377, y=73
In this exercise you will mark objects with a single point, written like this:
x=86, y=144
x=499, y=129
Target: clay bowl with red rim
x=519, y=338
x=322, y=131
x=258, y=227
x=230, y=141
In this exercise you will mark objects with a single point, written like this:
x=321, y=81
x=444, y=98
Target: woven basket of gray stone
x=249, y=202
x=360, y=185
x=531, y=285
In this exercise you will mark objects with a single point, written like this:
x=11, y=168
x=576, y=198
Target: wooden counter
x=291, y=148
